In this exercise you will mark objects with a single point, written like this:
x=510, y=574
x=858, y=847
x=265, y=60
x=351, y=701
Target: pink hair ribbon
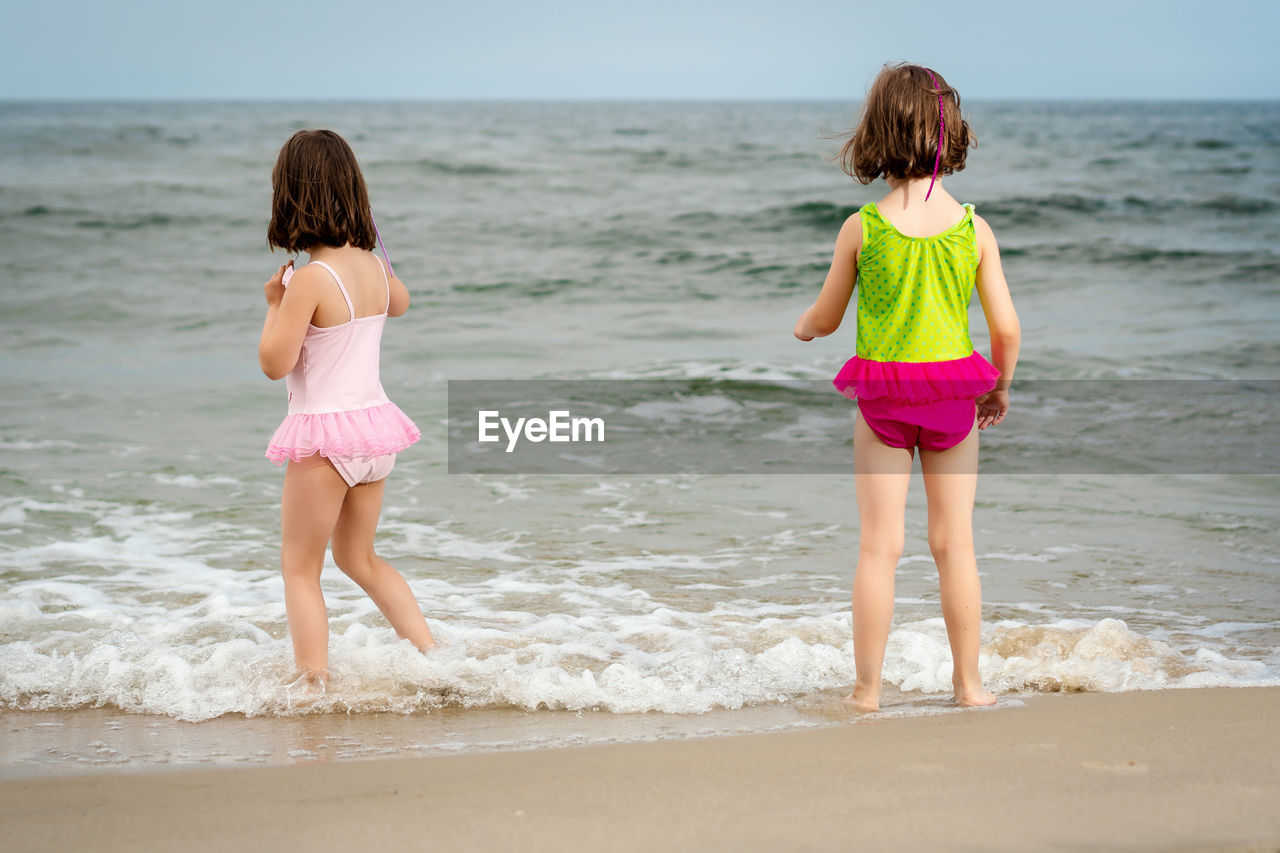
x=942, y=131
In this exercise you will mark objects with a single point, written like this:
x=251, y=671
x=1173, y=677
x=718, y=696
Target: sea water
x=624, y=240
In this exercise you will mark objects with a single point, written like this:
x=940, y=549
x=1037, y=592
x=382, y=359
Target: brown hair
x=897, y=136
x=318, y=195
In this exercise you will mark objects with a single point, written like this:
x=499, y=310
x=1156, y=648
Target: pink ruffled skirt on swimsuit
x=929, y=404
x=359, y=434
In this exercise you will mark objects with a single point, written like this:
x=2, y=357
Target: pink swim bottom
x=357, y=471
x=937, y=425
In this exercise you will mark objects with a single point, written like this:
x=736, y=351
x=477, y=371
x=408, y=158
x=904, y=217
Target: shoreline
x=62, y=743
x=1189, y=769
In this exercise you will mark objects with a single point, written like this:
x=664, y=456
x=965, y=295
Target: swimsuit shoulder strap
x=970, y=227
x=873, y=220
x=341, y=287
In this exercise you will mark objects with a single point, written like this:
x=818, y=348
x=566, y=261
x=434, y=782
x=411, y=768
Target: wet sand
x=1164, y=770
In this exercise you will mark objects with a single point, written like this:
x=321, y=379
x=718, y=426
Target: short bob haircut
x=318, y=195
x=897, y=136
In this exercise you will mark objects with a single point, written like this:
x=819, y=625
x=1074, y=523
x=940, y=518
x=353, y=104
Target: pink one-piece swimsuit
x=337, y=406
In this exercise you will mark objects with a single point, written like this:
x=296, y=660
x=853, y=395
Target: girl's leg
x=313, y=493
x=951, y=481
x=353, y=552
x=881, y=474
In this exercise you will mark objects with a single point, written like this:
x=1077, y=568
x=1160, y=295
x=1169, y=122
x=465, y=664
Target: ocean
x=608, y=241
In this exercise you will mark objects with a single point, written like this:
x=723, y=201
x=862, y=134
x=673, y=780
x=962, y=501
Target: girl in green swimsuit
x=916, y=257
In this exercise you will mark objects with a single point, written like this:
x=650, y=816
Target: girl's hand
x=801, y=331
x=992, y=408
x=274, y=288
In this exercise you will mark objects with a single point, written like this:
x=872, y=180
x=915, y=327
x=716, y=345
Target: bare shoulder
x=986, y=239
x=851, y=231
x=308, y=278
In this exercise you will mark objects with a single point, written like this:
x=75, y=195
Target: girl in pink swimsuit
x=916, y=256
x=323, y=334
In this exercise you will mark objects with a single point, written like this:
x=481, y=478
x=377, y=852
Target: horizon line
x=531, y=99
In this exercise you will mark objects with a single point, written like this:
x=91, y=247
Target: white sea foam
x=159, y=611
x=605, y=647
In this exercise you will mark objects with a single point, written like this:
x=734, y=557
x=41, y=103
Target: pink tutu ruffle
x=361, y=434
x=916, y=381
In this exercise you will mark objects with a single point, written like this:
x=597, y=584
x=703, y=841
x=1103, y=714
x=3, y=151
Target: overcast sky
x=639, y=49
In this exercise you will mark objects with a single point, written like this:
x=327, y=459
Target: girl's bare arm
x=997, y=305
x=399, y=294
x=289, y=312
x=824, y=316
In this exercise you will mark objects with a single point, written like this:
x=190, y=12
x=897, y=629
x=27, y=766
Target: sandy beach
x=1163, y=770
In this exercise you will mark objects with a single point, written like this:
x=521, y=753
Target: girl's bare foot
x=974, y=698
x=306, y=688
x=864, y=699
x=968, y=691
x=427, y=645
x=310, y=679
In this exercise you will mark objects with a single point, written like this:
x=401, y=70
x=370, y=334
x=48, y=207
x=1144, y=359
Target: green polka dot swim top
x=913, y=314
